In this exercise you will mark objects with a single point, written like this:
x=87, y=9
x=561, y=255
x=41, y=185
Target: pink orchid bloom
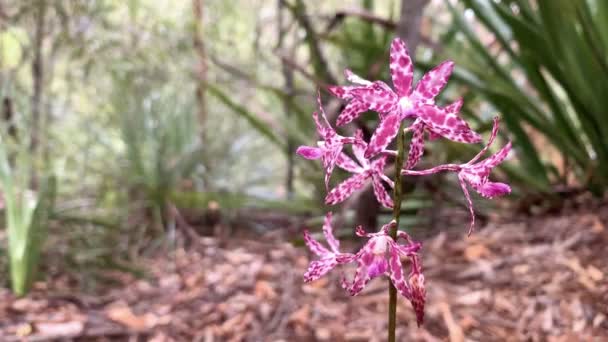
x=329, y=148
x=380, y=256
x=363, y=170
x=404, y=102
x=330, y=258
x=476, y=174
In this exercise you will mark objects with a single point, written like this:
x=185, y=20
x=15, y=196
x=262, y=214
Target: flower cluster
x=382, y=254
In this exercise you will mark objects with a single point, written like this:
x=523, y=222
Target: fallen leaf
x=300, y=316
x=123, y=315
x=59, y=330
x=476, y=251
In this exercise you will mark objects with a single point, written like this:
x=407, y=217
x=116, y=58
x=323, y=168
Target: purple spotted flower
x=403, y=102
x=329, y=148
x=329, y=258
x=475, y=173
x=363, y=171
x=381, y=256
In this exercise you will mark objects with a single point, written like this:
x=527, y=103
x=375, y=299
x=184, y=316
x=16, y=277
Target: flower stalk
x=397, y=197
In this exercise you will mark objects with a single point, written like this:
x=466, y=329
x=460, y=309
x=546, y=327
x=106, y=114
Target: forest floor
x=533, y=279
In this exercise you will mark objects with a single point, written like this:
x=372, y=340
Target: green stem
x=392, y=291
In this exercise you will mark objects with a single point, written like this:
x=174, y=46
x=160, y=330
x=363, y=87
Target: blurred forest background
x=133, y=129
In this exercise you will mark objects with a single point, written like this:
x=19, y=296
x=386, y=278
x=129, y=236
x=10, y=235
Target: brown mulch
x=541, y=279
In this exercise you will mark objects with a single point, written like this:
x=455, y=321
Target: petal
x=378, y=165
x=342, y=92
x=498, y=157
x=346, y=163
x=467, y=196
x=431, y=84
x=382, y=195
x=379, y=97
x=321, y=130
x=319, y=268
x=418, y=296
x=359, y=148
x=454, y=107
x=354, y=78
x=396, y=274
x=314, y=245
x=492, y=189
x=416, y=146
x=448, y=125
x=402, y=68
x=378, y=266
x=309, y=152
x=436, y=169
x=323, y=111
x=329, y=161
x=329, y=234
x=352, y=111
x=409, y=250
x=490, y=141
x=361, y=279
x=384, y=134
x=343, y=190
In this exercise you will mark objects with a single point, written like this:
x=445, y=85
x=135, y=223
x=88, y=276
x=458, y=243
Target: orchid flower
x=404, y=102
x=383, y=252
x=329, y=148
x=363, y=170
x=476, y=174
x=380, y=256
x=330, y=258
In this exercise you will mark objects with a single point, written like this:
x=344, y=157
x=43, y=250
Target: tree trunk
x=289, y=93
x=38, y=81
x=201, y=76
x=408, y=27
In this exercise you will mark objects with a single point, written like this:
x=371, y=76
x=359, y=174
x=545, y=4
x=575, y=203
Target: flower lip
x=380, y=245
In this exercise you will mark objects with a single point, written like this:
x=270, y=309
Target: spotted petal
x=352, y=111
x=402, y=68
x=467, y=197
x=498, y=157
x=431, y=84
x=334, y=244
x=346, y=163
x=418, y=296
x=448, y=125
x=342, y=92
x=343, y=190
x=384, y=134
x=396, y=274
x=381, y=194
x=416, y=145
x=361, y=279
x=315, y=246
x=319, y=268
x=454, y=107
x=379, y=97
